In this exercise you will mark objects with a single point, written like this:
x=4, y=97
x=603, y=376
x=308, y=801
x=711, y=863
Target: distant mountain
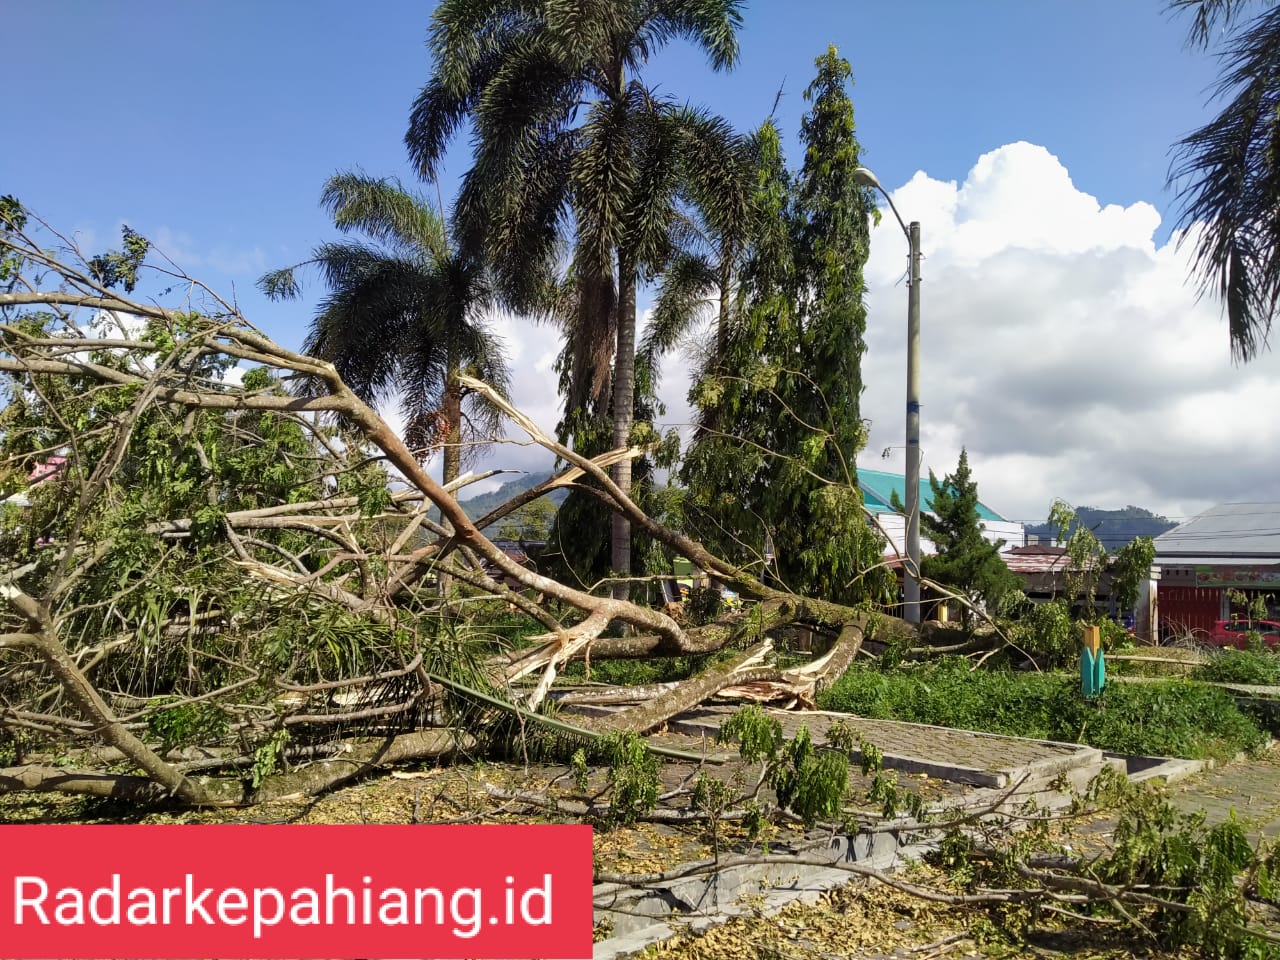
x=482, y=503
x=1115, y=528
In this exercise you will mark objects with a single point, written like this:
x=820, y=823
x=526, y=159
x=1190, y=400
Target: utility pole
x=912, y=572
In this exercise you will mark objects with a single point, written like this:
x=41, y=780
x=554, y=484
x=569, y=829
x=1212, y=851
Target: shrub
x=1047, y=633
x=1241, y=666
x=1174, y=718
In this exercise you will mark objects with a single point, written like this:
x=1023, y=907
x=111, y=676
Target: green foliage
x=581, y=773
x=884, y=788
x=1046, y=632
x=1086, y=559
x=811, y=783
x=12, y=218
x=1241, y=666
x=1196, y=880
x=633, y=777
x=1130, y=566
x=1174, y=718
x=269, y=757
x=120, y=267
x=965, y=560
x=759, y=735
x=778, y=399
x=1252, y=605
x=187, y=723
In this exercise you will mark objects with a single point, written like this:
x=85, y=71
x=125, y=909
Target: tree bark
x=687, y=695
x=452, y=409
x=308, y=780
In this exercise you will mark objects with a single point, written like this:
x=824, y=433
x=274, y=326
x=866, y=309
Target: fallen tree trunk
x=686, y=695
x=308, y=780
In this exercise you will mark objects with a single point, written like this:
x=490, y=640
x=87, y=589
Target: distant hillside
x=1114, y=528
x=482, y=503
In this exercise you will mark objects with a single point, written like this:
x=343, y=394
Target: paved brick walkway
x=1249, y=787
x=962, y=756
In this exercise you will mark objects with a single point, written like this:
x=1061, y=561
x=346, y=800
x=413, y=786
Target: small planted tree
x=965, y=559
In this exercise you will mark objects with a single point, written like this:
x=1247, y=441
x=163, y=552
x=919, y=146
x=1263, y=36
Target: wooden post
x=1093, y=638
x=1093, y=671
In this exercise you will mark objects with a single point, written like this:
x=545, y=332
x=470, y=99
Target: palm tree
x=1228, y=172
x=711, y=241
x=404, y=315
x=571, y=151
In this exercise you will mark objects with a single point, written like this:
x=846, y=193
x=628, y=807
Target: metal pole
x=913, y=431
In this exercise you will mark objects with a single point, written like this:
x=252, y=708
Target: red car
x=1234, y=633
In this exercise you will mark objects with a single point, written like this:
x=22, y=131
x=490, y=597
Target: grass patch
x=1175, y=718
x=1241, y=666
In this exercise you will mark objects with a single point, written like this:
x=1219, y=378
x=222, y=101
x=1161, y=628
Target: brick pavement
x=1249, y=787
x=963, y=756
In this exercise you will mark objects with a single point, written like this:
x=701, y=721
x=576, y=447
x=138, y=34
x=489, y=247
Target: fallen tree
x=210, y=540
x=219, y=569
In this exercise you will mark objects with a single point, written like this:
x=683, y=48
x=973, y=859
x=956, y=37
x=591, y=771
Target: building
x=1233, y=548
x=878, y=491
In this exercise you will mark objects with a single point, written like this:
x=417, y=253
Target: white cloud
x=188, y=256
x=1064, y=348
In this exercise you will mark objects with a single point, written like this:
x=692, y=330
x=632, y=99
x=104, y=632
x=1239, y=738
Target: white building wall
x=894, y=526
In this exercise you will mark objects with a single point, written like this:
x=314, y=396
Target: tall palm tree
x=1228, y=171
x=404, y=315
x=572, y=153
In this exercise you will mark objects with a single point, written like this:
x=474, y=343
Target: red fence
x=1188, y=608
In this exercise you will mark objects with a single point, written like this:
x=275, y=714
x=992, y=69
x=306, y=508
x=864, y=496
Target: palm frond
x=281, y=284
x=1208, y=17
x=712, y=25
x=656, y=145
x=383, y=210
x=603, y=177
x=718, y=169
x=467, y=39
x=684, y=300
x=1229, y=171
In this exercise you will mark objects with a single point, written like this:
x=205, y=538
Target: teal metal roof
x=878, y=487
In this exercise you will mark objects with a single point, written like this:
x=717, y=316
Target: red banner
x=233, y=891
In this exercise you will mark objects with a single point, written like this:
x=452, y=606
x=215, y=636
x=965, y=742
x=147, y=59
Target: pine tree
x=965, y=560
x=779, y=415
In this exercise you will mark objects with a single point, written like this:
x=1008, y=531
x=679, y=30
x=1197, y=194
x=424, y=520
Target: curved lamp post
x=866, y=178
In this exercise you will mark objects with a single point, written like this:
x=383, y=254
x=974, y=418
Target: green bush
x=1241, y=666
x=1046, y=632
x=1174, y=718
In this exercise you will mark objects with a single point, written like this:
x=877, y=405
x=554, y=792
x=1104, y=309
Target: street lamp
x=866, y=178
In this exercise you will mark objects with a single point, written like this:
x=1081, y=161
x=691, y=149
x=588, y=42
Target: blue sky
x=211, y=127
x=218, y=122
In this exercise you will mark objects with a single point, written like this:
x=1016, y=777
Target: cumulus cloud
x=1064, y=347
